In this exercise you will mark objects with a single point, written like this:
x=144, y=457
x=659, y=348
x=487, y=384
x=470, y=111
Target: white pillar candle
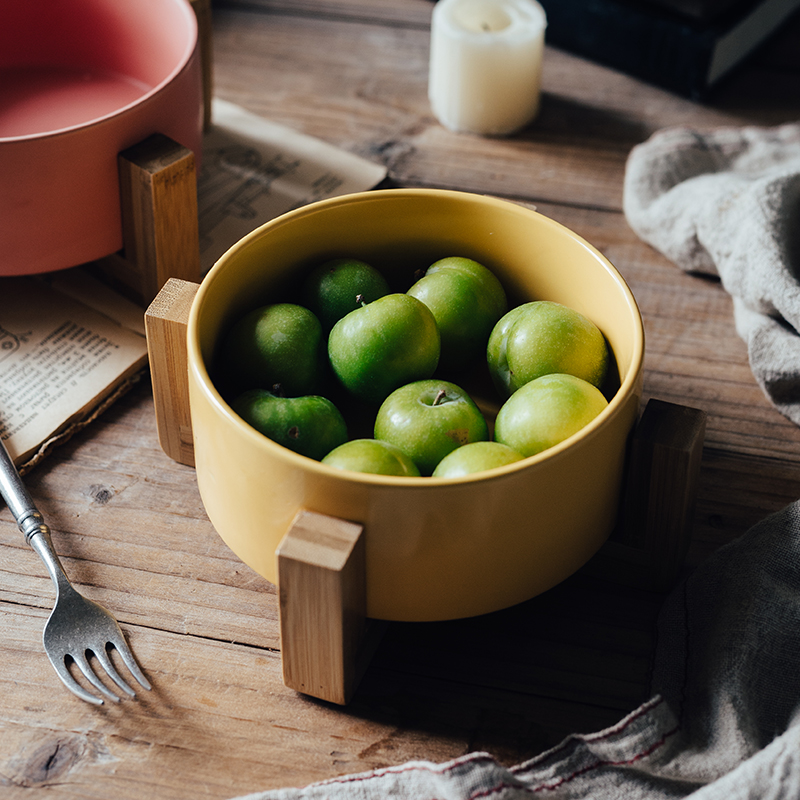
x=486, y=63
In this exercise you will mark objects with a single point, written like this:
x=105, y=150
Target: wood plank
x=322, y=601
x=414, y=12
x=205, y=729
x=205, y=39
x=166, y=324
x=218, y=723
x=158, y=192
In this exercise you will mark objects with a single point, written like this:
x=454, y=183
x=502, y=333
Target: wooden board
x=166, y=322
x=158, y=188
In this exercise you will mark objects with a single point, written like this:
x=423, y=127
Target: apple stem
x=440, y=395
x=360, y=300
x=277, y=390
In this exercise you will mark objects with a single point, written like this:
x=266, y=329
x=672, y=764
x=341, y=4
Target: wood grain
x=166, y=324
x=133, y=533
x=158, y=193
x=322, y=600
x=205, y=44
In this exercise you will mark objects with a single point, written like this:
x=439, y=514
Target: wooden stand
x=326, y=638
x=648, y=547
x=165, y=324
x=158, y=194
x=158, y=189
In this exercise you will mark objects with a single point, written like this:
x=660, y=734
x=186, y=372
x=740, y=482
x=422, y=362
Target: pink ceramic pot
x=81, y=80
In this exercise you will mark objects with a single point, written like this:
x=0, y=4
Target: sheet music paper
x=254, y=170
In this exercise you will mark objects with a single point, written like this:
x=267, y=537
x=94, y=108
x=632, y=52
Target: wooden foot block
x=322, y=591
x=165, y=321
x=648, y=548
x=202, y=10
x=160, y=228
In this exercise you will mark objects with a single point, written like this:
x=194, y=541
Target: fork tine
x=108, y=666
x=86, y=668
x=127, y=656
x=60, y=667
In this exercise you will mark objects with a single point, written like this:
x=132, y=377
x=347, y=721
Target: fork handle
x=28, y=518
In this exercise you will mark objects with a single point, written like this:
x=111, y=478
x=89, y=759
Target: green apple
x=543, y=337
x=331, y=289
x=491, y=287
x=475, y=457
x=545, y=411
x=496, y=351
x=429, y=419
x=383, y=345
x=373, y=456
x=311, y=426
x=281, y=343
x=466, y=300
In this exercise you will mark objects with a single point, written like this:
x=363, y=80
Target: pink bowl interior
x=66, y=63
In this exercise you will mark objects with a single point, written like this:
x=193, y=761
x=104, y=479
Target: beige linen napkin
x=727, y=203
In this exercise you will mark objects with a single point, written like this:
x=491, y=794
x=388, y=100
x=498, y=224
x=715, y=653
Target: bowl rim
x=616, y=404
x=191, y=45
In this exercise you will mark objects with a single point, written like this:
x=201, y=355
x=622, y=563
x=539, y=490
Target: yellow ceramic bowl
x=435, y=549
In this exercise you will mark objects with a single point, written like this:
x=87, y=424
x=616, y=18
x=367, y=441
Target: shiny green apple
x=311, y=426
x=475, y=457
x=280, y=343
x=543, y=337
x=466, y=300
x=371, y=456
x=383, y=345
x=429, y=419
x=331, y=290
x=545, y=411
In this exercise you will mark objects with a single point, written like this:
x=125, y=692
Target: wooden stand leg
x=322, y=590
x=165, y=323
x=649, y=547
x=202, y=10
x=160, y=230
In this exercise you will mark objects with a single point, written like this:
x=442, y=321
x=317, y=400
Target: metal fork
x=77, y=627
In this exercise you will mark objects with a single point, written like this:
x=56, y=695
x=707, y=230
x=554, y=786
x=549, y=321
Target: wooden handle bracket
x=326, y=639
x=165, y=322
x=160, y=230
x=649, y=545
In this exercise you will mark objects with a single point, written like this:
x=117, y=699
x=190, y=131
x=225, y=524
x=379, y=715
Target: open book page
x=254, y=170
x=61, y=361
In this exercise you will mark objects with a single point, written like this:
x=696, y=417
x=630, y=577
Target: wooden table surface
x=133, y=534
